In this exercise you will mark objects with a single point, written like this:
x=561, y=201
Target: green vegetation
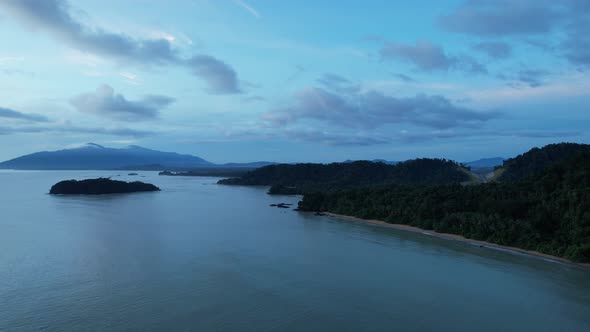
x=547, y=212
x=300, y=178
x=99, y=186
x=536, y=160
x=539, y=200
x=283, y=190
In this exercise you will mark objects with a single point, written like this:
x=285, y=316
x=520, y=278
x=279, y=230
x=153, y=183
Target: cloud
x=18, y=72
x=429, y=57
x=338, y=83
x=502, y=17
x=55, y=17
x=360, y=138
x=404, y=78
x=567, y=20
x=495, y=50
x=336, y=139
x=531, y=77
x=250, y=9
x=452, y=134
x=299, y=70
x=252, y=99
x=333, y=138
x=220, y=77
x=423, y=54
x=130, y=77
x=105, y=102
x=12, y=114
x=70, y=129
x=577, y=44
x=372, y=109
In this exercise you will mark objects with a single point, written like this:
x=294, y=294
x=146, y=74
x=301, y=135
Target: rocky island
x=99, y=186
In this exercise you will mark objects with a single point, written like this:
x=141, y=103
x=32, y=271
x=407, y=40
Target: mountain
x=536, y=160
x=486, y=162
x=255, y=164
x=311, y=177
x=388, y=162
x=94, y=156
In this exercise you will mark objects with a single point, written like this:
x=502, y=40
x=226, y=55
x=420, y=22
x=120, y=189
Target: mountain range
x=133, y=157
x=94, y=156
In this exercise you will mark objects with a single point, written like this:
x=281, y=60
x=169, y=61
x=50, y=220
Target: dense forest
x=300, y=178
x=536, y=160
x=547, y=212
x=540, y=200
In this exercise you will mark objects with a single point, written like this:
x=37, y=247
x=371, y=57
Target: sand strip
x=460, y=238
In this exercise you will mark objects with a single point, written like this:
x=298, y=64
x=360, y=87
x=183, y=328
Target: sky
x=287, y=81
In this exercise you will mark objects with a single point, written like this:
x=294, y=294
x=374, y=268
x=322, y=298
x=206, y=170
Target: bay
x=198, y=256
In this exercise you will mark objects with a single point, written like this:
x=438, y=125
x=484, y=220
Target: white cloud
x=250, y=9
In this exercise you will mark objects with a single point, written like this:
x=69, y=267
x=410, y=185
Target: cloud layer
x=428, y=57
x=372, y=109
x=55, y=17
x=501, y=17
x=71, y=129
x=495, y=50
x=568, y=19
x=12, y=114
x=105, y=102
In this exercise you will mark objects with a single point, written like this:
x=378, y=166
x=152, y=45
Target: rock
x=282, y=205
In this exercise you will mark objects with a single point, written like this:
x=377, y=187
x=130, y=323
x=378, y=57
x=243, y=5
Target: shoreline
x=460, y=238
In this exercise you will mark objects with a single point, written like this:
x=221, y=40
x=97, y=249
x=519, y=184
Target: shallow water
x=201, y=257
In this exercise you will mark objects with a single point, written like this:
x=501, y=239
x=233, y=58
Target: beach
x=459, y=238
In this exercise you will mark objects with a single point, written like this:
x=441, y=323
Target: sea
x=198, y=256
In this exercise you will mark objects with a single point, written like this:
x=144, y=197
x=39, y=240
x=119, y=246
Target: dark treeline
x=547, y=212
x=536, y=160
x=99, y=186
x=299, y=178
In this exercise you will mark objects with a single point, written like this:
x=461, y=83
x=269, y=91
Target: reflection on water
x=198, y=256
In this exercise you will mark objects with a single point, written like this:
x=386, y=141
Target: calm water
x=202, y=257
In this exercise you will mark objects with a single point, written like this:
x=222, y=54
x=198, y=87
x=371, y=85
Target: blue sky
x=245, y=80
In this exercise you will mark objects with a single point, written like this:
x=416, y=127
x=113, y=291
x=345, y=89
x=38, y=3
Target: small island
x=99, y=186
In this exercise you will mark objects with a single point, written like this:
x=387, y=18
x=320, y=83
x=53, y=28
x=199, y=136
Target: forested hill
x=311, y=177
x=549, y=213
x=536, y=160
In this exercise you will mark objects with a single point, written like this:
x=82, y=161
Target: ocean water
x=198, y=256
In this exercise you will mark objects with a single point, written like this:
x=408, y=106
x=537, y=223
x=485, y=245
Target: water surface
x=203, y=257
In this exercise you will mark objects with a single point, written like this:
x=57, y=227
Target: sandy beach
x=460, y=238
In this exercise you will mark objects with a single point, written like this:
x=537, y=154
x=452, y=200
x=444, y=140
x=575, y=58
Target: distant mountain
x=255, y=164
x=486, y=162
x=94, y=156
x=536, y=160
x=388, y=162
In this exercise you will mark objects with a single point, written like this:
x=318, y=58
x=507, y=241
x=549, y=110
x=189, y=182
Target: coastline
x=460, y=238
